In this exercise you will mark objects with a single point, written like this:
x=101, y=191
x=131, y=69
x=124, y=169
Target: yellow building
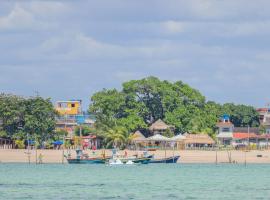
x=72, y=107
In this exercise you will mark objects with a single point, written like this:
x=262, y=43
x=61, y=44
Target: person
x=126, y=154
x=40, y=158
x=94, y=150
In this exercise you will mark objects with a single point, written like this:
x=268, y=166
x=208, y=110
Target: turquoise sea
x=153, y=181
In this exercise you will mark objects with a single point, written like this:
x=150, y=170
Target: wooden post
x=165, y=152
x=216, y=157
x=245, y=157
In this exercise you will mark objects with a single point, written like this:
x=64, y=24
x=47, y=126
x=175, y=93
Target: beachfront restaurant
x=198, y=141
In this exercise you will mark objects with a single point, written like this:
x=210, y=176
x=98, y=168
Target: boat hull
x=137, y=160
x=173, y=159
x=86, y=161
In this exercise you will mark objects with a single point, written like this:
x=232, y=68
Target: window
x=225, y=129
x=73, y=105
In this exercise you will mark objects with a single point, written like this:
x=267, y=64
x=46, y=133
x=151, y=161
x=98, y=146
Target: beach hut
x=139, y=139
x=198, y=141
x=157, y=141
x=179, y=141
x=158, y=138
x=160, y=127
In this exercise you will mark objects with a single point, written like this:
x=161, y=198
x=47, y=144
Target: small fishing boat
x=172, y=159
x=84, y=159
x=136, y=160
x=115, y=162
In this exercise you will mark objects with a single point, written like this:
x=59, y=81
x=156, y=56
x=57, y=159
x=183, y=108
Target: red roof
x=249, y=135
x=262, y=110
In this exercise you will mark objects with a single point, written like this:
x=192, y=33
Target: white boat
x=129, y=162
x=115, y=162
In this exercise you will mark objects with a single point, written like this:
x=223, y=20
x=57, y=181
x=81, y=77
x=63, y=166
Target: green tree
x=141, y=102
x=116, y=137
x=11, y=113
x=86, y=130
x=39, y=118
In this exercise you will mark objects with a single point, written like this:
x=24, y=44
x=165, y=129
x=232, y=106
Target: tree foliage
x=141, y=102
x=34, y=116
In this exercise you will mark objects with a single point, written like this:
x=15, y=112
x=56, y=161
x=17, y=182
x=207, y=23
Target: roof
x=69, y=101
x=158, y=138
x=224, y=124
x=159, y=125
x=198, y=139
x=138, y=137
x=262, y=109
x=179, y=137
x=250, y=135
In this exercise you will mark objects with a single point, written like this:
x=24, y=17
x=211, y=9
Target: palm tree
x=115, y=137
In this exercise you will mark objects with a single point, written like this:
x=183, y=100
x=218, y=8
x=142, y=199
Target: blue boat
x=86, y=161
x=172, y=159
x=82, y=159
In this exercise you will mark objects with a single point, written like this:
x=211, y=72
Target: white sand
x=187, y=156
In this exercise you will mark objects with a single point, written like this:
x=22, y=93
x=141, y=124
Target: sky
x=71, y=49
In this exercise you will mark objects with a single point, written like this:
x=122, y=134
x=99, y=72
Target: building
x=198, y=141
x=70, y=115
x=264, y=116
x=225, y=130
x=228, y=135
x=160, y=127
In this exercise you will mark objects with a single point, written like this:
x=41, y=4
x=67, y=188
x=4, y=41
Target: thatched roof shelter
x=158, y=138
x=198, y=139
x=159, y=125
x=179, y=137
x=138, y=137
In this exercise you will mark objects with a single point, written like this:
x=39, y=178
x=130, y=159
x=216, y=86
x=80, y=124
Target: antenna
x=36, y=93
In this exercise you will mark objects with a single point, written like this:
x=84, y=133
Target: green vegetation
x=20, y=116
x=141, y=102
x=118, y=113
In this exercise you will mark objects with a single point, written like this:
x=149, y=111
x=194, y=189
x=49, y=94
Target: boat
x=172, y=159
x=115, y=162
x=84, y=159
x=134, y=160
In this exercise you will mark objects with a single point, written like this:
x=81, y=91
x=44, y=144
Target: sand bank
x=187, y=156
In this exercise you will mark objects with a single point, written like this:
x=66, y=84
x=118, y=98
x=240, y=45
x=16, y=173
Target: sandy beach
x=187, y=156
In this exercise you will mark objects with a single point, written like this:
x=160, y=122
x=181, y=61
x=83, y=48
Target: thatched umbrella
x=159, y=138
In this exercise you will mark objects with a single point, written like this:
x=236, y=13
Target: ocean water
x=153, y=181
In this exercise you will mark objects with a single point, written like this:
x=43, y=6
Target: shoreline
x=187, y=156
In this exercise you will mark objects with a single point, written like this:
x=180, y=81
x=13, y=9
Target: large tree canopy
x=141, y=102
x=20, y=116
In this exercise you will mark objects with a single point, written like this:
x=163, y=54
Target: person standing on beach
x=40, y=158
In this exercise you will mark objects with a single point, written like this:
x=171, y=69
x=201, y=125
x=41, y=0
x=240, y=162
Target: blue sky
x=71, y=49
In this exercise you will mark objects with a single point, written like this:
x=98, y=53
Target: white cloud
x=173, y=26
x=16, y=19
